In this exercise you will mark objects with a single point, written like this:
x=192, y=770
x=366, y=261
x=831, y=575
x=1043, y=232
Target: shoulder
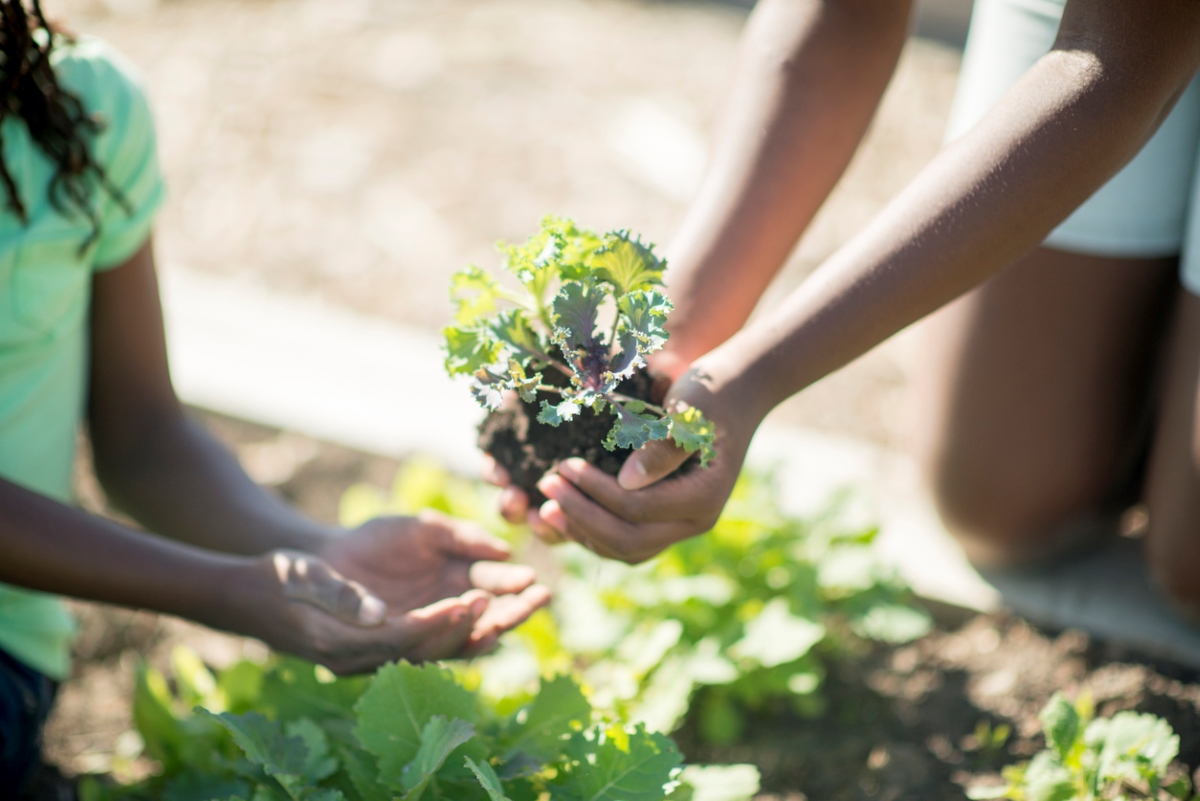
x=104, y=79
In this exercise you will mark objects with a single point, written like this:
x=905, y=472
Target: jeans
x=26, y=697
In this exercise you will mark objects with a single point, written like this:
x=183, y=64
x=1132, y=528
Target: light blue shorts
x=1149, y=209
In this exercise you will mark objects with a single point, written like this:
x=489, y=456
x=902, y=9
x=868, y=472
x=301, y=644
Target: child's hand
x=644, y=509
x=300, y=605
x=513, y=503
x=665, y=366
x=412, y=562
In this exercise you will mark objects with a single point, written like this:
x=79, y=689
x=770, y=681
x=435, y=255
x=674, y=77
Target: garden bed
x=915, y=721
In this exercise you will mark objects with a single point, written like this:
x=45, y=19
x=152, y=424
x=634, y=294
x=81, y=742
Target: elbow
x=1130, y=77
x=126, y=451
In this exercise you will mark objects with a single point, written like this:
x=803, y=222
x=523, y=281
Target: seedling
x=587, y=312
x=1127, y=757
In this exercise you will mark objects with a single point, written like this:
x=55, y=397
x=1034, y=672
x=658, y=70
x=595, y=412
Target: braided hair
x=57, y=121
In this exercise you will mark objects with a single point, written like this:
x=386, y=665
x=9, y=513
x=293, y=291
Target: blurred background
x=363, y=150
x=358, y=152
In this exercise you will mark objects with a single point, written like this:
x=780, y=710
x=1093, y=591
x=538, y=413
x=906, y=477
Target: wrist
x=230, y=592
x=736, y=384
x=313, y=538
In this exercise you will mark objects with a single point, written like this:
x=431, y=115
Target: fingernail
x=371, y=611
x=478, y=607
x=571, y=468
x=551, y=486
x=552, y=515
x=633, y=474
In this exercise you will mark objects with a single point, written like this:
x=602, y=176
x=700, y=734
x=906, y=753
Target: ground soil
x=528, y=449
x=899, y=724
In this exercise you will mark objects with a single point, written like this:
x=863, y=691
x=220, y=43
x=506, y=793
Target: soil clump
x=528, y=449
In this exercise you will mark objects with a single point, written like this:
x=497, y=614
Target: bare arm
x=1077, y=116
x=431, y=597
x=53, y=548
x=1067, y=126
x=155, y=463
x=809, y=77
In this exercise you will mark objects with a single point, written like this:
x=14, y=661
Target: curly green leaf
x=643, y=314
x=633, y=430
x=474, y=293
x=556, y=415
x=575, y=309
x=694, y=433
x=627, y=264
x=487, y=388
x=467, y=350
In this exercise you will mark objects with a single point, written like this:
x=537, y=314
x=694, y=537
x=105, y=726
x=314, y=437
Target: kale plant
x=1125, y=757
x=589, y=308
x=292, y=731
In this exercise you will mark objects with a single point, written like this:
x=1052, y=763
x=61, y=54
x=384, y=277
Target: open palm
x=413, y=562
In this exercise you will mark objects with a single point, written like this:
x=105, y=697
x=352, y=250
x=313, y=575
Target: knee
x=1005, y=518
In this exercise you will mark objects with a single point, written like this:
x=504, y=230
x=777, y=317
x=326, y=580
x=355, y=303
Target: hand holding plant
x=588, y=315
x=637, y=514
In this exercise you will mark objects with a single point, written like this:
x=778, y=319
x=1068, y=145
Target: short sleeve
x=126, y=150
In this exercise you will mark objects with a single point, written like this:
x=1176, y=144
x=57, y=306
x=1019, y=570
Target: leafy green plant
x=1127, y=756
x=570, y=281
x=291, y=731
x=727, y=622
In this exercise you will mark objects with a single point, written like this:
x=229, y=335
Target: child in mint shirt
x=81, y=340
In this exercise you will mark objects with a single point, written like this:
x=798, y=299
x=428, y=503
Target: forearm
x=178, y=481
x=1056, y=137
x=808, y=80
x=50, y=547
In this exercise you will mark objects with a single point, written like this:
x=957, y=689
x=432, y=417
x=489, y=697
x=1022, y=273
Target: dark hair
x=57, y=121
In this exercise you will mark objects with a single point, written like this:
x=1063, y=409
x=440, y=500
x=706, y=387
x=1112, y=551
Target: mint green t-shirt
x=45, y=294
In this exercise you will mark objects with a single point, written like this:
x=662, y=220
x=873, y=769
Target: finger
x=594, y=527
x=463, y=539
x=442, y=629
x=309, y=580
x=542, y=529
x=513, y=504
x=681, y=498
x=504, y=614
x=493, y=473
x=499, y=578
x=650, y=463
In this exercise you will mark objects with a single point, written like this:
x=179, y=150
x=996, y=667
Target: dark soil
x=528, y=449
x=900, y=722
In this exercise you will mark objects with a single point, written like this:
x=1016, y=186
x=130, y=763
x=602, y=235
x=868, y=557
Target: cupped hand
x=410, y=563
x=644, y=509
x=665, y=367
x=297, y=603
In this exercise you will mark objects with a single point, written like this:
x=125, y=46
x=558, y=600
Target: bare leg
x=1173, y=481
x=1031, y=390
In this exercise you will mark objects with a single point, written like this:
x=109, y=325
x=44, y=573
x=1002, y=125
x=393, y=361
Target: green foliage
x=411, y=733
x=1123, y=757
x=588, y=308
x=733, y=620
x=729, y=621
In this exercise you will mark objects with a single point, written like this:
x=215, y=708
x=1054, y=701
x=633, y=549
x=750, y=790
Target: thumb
x=650, y=463
x=311, y=581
